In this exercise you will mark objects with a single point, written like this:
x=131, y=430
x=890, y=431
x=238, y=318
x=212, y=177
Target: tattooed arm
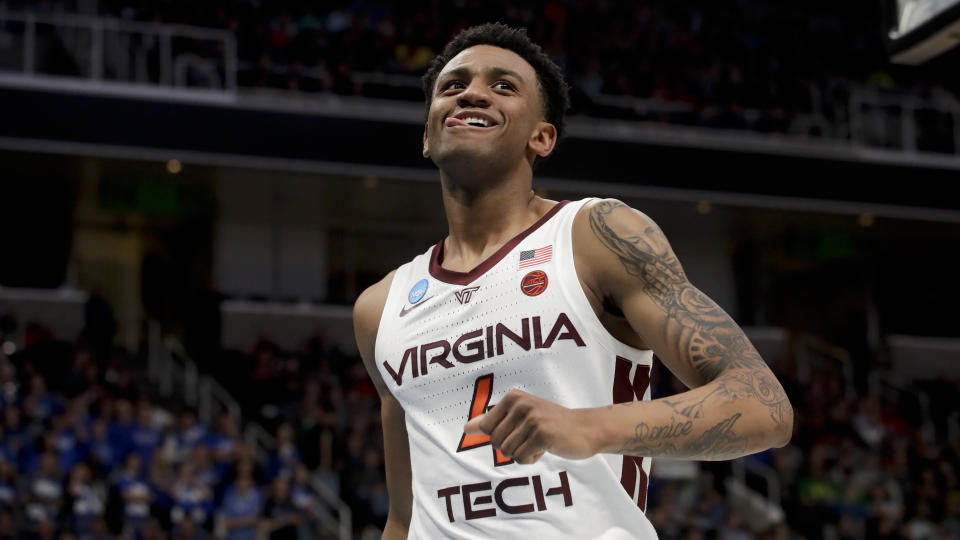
x=736, y=405
x=637, y=287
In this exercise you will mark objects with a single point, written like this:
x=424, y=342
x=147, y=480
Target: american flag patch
x=534, y=257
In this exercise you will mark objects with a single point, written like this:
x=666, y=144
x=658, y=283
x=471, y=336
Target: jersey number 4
x=479, y=405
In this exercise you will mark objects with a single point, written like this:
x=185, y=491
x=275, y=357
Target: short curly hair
x=554, y=91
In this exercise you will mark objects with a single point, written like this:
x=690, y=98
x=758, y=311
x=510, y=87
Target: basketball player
x=513, y=358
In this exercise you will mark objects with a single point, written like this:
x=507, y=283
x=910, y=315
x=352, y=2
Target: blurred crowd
x=736, y=64
x=87, y=452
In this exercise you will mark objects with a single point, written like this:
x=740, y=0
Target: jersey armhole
x=578, y=297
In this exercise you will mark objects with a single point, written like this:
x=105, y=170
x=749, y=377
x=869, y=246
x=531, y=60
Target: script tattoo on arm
x=716, y=442
x=702, y=333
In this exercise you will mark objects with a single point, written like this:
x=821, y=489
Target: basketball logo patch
x=534, y=283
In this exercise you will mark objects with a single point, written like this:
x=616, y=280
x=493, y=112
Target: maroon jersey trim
x=465, y=278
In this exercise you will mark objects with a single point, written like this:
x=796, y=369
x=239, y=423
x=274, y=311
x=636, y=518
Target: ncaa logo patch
x=419, y=289
x=534, y=283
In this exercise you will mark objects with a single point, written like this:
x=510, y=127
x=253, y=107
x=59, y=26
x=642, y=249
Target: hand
x=523, y=427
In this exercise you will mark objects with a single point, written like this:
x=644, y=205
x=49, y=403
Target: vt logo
x=464, y=295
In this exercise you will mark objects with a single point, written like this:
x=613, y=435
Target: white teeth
x=474, y=120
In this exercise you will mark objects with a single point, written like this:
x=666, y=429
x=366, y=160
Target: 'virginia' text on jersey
x=474, y=343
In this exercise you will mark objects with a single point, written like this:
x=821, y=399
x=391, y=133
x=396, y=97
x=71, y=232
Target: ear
x=426, y=146
x=543, y=139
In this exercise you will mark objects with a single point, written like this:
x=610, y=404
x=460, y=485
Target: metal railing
x=811, y=351
x=116, y=50
x=891, y=120
x=761, y=510
x=341, y=524
x=744, y=465
x=171, y=369
x=187, y=57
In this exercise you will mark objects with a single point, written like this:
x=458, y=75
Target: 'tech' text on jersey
x=450, y=344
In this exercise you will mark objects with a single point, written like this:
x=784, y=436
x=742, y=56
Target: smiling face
x=486, y=111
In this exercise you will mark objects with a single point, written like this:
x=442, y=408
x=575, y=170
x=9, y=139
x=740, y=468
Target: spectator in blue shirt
x=286, y=456
x=241, y=508
x=191, y=497
x=206, y=472
x=45, y=489
x=104, y=453
x=302, y=493
x=145, y=437
x=65, y=439
x=135, y=494
x=86, y=502
x=45, y=405
x=121, y=427
x=15, y=436
x=225, y=442
x=190, y=433
x=283, y=517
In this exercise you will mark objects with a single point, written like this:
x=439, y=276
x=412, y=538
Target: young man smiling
x=513, y=358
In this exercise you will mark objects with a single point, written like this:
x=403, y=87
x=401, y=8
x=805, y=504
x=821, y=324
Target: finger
x=529, y=452
x=473, y=426
x=515, y=439
x=494, y=415
x=508, y=425
x=485, y=423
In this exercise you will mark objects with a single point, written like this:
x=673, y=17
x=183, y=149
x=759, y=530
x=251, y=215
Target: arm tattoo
x=733, y=385
x=701, y=331
x=717, y=442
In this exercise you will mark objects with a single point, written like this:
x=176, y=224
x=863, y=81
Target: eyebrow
x=491, y=72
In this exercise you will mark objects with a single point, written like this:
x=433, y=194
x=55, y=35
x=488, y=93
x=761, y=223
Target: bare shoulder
x=367, y=311
x=603, y=217
x=617, y=244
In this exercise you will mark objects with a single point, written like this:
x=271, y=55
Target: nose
x=475, y=95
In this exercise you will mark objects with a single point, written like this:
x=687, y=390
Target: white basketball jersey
x=451, y=344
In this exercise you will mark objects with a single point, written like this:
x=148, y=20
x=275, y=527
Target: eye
x=454, y=85
x=501, y=84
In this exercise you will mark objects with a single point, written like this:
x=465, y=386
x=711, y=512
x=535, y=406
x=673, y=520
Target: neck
x=484, y=218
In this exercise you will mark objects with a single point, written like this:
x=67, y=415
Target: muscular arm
x=366, y=320
x=735, y=406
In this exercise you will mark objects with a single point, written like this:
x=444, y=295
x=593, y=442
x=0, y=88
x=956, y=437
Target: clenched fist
x=523, y=427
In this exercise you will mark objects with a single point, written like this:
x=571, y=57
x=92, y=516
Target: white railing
x=889, y=119
x=761, y=510
x=213, y=398
x=811, y=351
x=869, y=119
x=60, y=310
x=342, y=523
x=188, y=57
x=259, y=440
x=117, y=50
x=744, y=465
x=170, y=368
